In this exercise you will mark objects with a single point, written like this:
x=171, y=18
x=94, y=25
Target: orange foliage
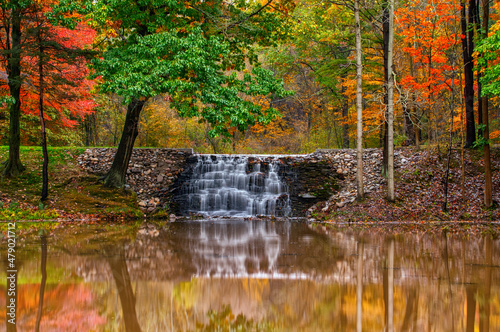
x=425, y=28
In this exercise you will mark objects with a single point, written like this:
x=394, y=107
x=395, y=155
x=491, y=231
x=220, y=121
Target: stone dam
x=184, y=183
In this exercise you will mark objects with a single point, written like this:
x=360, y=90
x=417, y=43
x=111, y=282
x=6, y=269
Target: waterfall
x=236, y=185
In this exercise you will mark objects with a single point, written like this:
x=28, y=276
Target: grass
x=72, y=192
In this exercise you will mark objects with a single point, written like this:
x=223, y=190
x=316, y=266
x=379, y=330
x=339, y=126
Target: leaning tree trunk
x=13, y=165
x=467, y=48
x=116, y=174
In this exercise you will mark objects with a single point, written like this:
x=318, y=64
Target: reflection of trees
x=411, y=309
x=11, y=281
x=390, y=290
x=448, y=277
x=485, y=289
x=359, y=289
x=43, y=267
x=471, y=307
x=315, y=286
x=115, y=257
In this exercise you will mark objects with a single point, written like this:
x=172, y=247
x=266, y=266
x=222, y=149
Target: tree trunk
x=390, y=109
x=488, y=200
x=359, y=105
x=45, y=170
x=408, y=126
x=385, y=32
x=345, y=118
x=450, y=141
x=467, y=49
x=477, y=22
x=409, y=113
x=116, y=174
x=13, y=165
x=89, y=124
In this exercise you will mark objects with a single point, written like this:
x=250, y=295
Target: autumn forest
x=270, y=76
x=269, y=165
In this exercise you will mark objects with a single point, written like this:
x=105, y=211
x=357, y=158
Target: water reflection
x=253, y=275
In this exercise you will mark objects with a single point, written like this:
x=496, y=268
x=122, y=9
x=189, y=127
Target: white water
x=235, y=249
x=224, y=185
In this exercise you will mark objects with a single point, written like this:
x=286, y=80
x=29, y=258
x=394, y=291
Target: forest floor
x=419, y=191
x=75, y=194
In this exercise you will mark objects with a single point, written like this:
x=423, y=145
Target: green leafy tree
x=188, y=50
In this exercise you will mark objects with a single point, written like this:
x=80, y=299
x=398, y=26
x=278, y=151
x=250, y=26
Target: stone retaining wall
x=325, y=175
x=151, y=172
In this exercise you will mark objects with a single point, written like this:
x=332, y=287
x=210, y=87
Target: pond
x=256, y=275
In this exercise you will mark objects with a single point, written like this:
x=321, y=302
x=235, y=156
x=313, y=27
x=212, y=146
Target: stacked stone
x=345, y=162
x=151, y=172
x=323, y=176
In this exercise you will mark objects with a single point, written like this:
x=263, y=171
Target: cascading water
x=224, y=185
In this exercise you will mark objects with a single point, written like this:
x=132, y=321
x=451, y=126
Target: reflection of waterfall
x=235, y=249
x=224, y=185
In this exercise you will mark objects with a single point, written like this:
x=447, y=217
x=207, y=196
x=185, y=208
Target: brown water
x=258, y=275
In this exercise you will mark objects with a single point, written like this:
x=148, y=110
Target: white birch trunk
x=390, y=107
x=359, y=104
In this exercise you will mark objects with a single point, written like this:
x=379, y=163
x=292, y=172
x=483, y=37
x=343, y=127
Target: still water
x=253, y=275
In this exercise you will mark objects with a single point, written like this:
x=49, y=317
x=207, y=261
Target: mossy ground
x=73, y=193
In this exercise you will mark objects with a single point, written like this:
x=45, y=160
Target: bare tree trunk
x=387, y=73
x=488, y=200
x=89, y=124
x=410, y=131
x=390, y=108
x=345, y=118
x=462, y=150
x=45, y=167
x=467, y=48
x=359, y=105
x=450, y=143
